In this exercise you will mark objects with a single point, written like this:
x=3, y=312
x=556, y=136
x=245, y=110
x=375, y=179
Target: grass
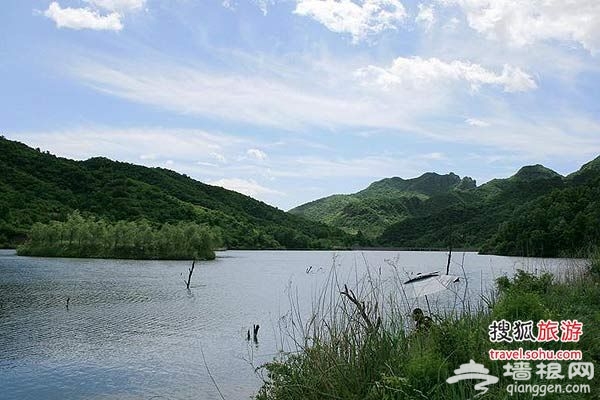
x=339, y=355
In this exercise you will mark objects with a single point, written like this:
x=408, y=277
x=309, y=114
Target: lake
x=133, y=330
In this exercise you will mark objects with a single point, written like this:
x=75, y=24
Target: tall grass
x=339, y=352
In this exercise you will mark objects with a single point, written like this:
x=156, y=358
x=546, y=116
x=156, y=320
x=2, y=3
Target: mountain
x=467, y=218
x=533, y=173
x=566, y=221
x=535, y=212
x=37, y=186
x=382, y=204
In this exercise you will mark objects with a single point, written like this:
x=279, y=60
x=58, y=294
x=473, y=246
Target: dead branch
x=190, y=275
x=362, y=309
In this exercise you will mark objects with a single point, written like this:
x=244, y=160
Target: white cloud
x=451, y=25
x=248, y=187
x=434, y=156
x=286, y=102
x=263, y=5
x=523, y=23
x=425, y=16
x=83, y=18
x=118, y=5
x=416, y=72
x=257, y=154
x=477, y=122
x=537, y=137
x=359, y=18
x=207, y=164
x=297, y=95
x=219, y=157
x=229, y=4
x=300, y=98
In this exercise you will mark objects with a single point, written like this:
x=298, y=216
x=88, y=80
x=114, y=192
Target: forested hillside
x=564, y=222
x=469, y=218
x=37, y=186
x=382, y=204
x=536, y=212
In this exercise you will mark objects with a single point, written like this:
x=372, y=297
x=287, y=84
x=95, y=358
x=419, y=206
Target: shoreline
x=357, y=249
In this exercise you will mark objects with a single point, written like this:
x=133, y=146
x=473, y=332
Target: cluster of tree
x=82, y=237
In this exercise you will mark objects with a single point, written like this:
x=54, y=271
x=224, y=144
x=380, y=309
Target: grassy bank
x=341, y=356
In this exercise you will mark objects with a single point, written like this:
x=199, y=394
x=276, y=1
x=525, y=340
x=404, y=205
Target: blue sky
x=292, y=100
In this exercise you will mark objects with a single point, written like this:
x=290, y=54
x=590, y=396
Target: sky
x=292, y=100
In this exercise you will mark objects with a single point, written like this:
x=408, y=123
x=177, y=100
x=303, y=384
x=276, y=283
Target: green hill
x=565, y=221
x=536, y=212
x=467, y=218
x=382, y=204
x=37, y=186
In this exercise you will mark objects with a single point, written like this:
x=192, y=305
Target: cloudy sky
x=291, y=100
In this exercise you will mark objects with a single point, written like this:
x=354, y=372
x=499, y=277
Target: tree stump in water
x=190, y=275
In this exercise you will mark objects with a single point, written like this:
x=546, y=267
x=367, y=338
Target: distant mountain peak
x=535, y=172
x=467, y=183
x=427, y=184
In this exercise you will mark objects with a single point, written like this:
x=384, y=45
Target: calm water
x=133, y=331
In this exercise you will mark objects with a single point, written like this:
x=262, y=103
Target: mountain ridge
x=488, y=217
x=382, y=203
x=37, y=186
x=535, y=212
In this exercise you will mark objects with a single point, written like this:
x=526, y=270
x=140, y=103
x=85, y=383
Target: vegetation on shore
x=341, y=357
x=97, y=238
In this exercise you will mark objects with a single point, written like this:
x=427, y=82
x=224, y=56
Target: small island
x=88, y=237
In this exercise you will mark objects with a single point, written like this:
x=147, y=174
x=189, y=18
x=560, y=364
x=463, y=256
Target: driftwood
x=190, y=275
x=362, y=309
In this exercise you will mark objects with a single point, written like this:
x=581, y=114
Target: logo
x=473, y=370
